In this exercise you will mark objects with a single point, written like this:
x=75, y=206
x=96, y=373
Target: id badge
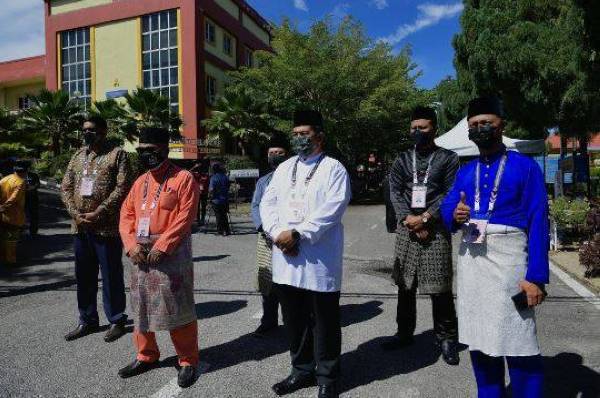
x=143, y=230
x=474, y=231
x=87, y=186
x=419, y=197
x=296, y=212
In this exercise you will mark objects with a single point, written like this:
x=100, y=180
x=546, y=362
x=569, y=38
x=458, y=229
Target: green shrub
x=49, y=166
x=239, y=162
x=569, y=213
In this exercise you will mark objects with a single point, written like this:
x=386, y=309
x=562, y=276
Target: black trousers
x=202, y=203
x=270, y=304
x=221, y=218
x=312, y=320
x=444, y=314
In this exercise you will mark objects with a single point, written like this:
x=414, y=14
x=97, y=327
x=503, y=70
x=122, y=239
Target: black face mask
x=89, y=138
x=276, y=160
x=419, y=137
x=150, y=159
x=483, y=137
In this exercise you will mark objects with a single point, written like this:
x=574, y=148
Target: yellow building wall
x=230, y=7
x=62, y=6
x=9, y=96
x=216, y=49
x=117, y=57
x=218, y=74
x=259, y=32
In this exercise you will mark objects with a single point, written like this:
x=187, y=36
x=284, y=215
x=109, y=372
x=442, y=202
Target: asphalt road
x=38, y=306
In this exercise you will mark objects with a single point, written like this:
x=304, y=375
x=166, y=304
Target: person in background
x=419, y=179
x=155, y=225
x=32, y=202
x=499, y=200
x=96, y=181
x=219, y=193
x=277, y=154
x=12, y=212
x=200, y=171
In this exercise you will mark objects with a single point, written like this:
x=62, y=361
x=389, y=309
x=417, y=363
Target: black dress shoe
x=450, y=352
x=186, y=376
x=330, y=391
x=136, y=368
x=116, y=330
x=293, y=383
x=80, y=331
x=397, y=343
x=263, y=329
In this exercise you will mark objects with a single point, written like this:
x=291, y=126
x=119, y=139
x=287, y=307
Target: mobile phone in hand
x=520, y=300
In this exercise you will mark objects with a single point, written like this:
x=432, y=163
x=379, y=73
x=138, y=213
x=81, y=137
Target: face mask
x=276, y=160
x=420, y=137
x=150, y=159
x=89, y=138
x=303, y=145
x=483, y=136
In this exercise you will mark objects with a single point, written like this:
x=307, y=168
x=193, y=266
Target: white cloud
x=21, y=29
x=301, y=5
x=379, y=4
x=429, y=14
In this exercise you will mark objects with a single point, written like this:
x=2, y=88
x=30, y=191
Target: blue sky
x=427, y=26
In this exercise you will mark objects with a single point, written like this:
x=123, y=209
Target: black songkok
x=308, y=118
x=22, y=165
x=486, y=106
x=279, y=141
x=424, y=112
x=154, y=135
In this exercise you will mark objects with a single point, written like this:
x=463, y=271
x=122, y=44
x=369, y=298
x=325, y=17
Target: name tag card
x=143, y=230
x=474, y=231
x=87, y=186
x=419, y=197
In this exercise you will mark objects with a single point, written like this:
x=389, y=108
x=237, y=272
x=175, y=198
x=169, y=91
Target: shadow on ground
x=211, y=309
x=357, y=313
x=567, y=377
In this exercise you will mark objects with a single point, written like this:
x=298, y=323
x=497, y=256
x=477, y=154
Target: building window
x=227, y=44
x=160, y=58
x=211, y=32
x=248, y=57
x=24, y=103
x=211, y=90
x=76, y=74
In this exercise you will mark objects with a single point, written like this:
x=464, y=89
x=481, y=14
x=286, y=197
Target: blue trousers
x=92, y=254
x=526, y=375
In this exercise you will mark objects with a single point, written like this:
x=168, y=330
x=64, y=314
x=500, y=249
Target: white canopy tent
x=457, y=140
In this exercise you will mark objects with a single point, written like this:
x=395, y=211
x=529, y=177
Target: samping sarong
x=264, y=254
x=488, y=276
x=429, y=262
x=162, y=296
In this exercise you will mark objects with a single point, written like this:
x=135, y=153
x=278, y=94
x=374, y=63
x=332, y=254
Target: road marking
x=373, y=226
x=172, y=389
x=575, y=285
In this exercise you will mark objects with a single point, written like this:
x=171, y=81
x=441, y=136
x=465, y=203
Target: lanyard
x=494, y=194
x=86, y=165
x=158, y=191
x=310, y=175
x=414, y=164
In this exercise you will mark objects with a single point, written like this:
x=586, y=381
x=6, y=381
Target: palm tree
x=147, y=108
x=116, y=116
x=241, y=115
x=54, y=116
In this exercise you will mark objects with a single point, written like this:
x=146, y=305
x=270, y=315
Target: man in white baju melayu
x=302, y=211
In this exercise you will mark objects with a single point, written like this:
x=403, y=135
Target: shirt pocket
x=168, y=200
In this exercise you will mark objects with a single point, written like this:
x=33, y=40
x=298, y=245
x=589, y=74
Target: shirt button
x=486, y=175
x=487, y=165
x=485, y=185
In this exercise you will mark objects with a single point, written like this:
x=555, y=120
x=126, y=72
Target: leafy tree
x=537, y=55
x=11, y=143
x=363, y=89
x=116, y=117
x=53, y=118
x=452, y=103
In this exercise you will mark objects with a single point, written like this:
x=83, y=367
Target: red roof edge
x=23, y=69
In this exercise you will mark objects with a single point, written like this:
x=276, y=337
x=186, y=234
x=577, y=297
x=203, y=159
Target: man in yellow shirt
x=12, y=212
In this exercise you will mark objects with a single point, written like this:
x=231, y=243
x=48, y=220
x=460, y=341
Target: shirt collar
x=494, y=156
x=311, y=159
x=160, y=170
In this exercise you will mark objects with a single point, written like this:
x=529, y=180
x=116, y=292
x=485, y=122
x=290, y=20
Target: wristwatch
x=425, y=218
x=295, y=235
